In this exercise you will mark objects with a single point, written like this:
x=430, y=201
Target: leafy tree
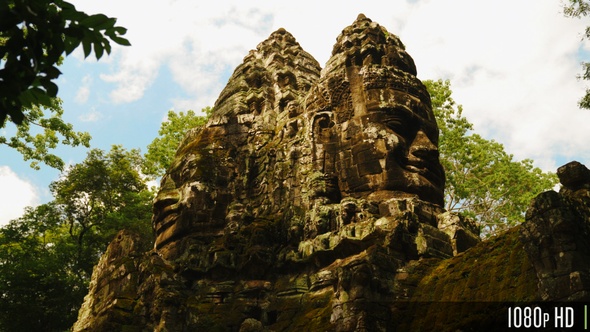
x=34, y=35
x=100, y=196
x=483, y=180
x=37, y=146
x=579, y=9
x=38, y=288
x=47, y=256
x=161, y=151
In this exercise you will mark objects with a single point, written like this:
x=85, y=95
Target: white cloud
x=82, y=95
x=133, y=78
x=512, y=68
x=84, y=90
x=184, y=36
x=512, y=64
x=18, y=194
x=91, y=116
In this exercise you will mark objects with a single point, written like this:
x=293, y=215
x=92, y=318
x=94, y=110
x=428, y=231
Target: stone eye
x=400, y=123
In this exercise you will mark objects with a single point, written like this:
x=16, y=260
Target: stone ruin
x=312, y=200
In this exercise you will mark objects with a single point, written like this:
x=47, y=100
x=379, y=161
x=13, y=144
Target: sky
x=512, y=64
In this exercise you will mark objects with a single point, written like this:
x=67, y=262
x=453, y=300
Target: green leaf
x=70, y=44
x=52, y=72
x=16, y=116
x=115, y=31
x=98, y=50
x=34, y=96
x=120, y=30
x=70, y=13
x=107, y=47
x=86, y=45
x=50, y=87
x=95, y=20
x=121, y=41
x=109, y=23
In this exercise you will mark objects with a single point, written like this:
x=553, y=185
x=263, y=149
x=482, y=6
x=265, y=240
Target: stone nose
x=166, y=203
x=422, y=148
x=168, y=194
x=165, y=199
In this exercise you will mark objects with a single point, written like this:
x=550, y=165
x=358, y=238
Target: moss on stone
x=314, y=314
x=488, y=271
x=473, y=287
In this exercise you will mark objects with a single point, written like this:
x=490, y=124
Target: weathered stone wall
x=312, y=201
x=556, y=235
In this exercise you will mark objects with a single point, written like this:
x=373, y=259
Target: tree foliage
x=34, y=35
x=97, y=195
x=38, y=134
x=47, y=255
x=483, y=180
x=161, y=151
x=579, y=9
x=38, y=286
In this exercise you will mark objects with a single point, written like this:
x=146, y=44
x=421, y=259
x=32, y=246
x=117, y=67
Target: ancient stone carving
x=288, y=146
x=546, y=258
x=374, y=124
x=240, y=159
x=556, y=237
x=312, y=201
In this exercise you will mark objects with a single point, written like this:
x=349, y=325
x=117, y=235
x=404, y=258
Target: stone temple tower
x=312, y=200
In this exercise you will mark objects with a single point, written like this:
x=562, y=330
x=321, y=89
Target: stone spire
x=276, y=72
x=227, y=166
x=365, y=42
x=384, y=127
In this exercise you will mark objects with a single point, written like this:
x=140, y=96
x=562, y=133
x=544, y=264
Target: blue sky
x=512, y=65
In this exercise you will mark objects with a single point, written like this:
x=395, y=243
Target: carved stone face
x=284, y=139
x=405, y=135
x=187, y=201
x=384, y=132
x=374, y=119
x=226, y=173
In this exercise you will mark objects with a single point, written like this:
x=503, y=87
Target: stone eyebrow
x=419, y=119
